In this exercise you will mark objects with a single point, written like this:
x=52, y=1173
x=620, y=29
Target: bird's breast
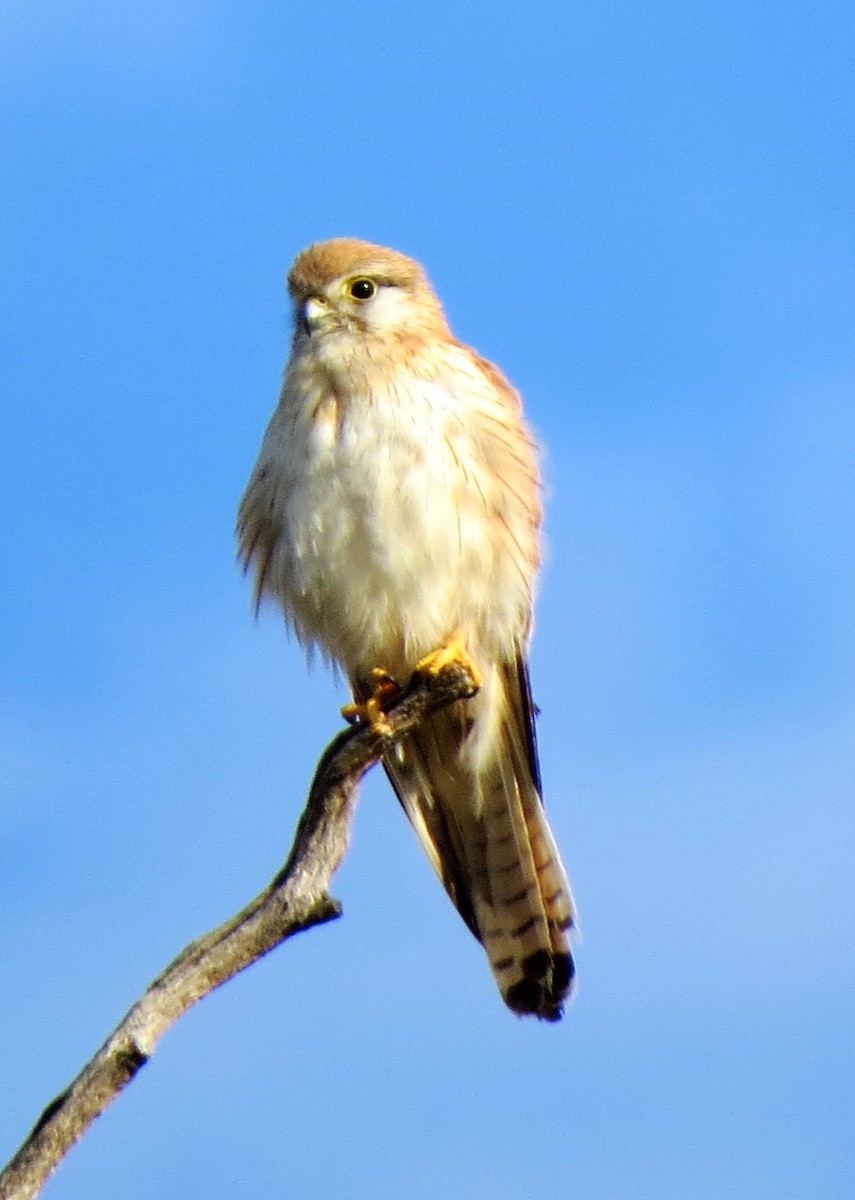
x=389, y=530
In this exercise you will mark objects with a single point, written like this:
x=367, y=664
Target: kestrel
x=394, y=513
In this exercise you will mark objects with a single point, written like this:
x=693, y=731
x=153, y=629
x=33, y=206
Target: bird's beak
x=316, y=315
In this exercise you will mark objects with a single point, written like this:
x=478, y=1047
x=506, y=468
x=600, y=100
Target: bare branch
x=295, y=900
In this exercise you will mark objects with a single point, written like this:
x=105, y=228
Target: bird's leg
x=372, y=711
x=453, y=653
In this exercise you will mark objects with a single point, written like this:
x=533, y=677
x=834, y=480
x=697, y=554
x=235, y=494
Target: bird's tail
x=468, y=779
x=524, y=920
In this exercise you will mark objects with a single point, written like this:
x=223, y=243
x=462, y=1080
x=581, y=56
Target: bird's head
x=349, y=286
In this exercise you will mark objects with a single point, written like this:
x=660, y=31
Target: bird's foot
x=372, y=711
x=452, y=654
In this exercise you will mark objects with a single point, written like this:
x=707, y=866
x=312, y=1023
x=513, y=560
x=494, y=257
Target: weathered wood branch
x=295, y=900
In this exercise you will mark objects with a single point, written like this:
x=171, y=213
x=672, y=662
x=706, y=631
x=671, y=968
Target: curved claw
x=372, y=711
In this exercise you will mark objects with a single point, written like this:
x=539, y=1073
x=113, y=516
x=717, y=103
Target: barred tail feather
x=527, y=914
x=480, y=817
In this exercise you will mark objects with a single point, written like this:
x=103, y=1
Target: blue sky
x=645, y=214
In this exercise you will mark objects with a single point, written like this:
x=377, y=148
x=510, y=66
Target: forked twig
x=295, y=900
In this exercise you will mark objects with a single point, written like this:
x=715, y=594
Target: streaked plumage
x=396, y=500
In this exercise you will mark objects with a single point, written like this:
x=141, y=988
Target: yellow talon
x=369, y=713
x=373, y=710
x=453, y=653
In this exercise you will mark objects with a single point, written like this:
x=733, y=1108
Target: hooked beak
x=315, y=315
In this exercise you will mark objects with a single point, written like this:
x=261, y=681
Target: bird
x=395, y=515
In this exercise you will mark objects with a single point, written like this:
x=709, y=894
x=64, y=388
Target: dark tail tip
x=546, y=983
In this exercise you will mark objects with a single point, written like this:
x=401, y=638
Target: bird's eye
x=362, y=289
